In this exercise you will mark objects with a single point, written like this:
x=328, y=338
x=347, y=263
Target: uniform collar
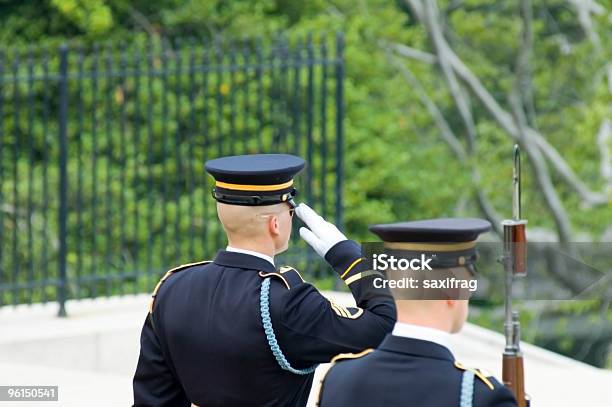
x=243, y=261
x=252, y=253
x=415, y=347
x=423, y=333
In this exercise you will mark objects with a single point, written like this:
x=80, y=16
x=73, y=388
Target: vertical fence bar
x=206, y=142
x=2, y=122
x=245, y=97
x=30, y=207
x=165, y=50
x=44, y=263
x=79, y=200
x=297, y=65
x=16, y=264
x=94, y=169
x=339, y=130
x=150, y=78
x=191, y=158
x=323, y=123
x=272, y=119
x=309, y=118
x=259, y=79
x=219, y=88
x=108, y=111
x=136, y=183
x=322, y=142
x=219, y=109
x=283, y=93
x=232, y=97
x=63, y=181
x=178, y=181
x=120, y=98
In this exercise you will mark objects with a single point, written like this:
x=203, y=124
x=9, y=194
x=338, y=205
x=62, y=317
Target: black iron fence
x=102, y=151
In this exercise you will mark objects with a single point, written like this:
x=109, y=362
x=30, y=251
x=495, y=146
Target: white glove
x=322, y=235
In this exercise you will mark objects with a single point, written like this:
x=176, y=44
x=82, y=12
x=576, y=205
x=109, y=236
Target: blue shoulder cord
x=264, y=304
x=467, y=389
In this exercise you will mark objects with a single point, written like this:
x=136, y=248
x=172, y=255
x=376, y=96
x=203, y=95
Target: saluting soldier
x=237, y=330
x=414, y=365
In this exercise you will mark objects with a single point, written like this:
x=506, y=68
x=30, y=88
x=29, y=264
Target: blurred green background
x=421, y=138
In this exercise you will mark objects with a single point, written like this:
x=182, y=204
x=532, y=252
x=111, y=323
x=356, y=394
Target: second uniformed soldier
x=414, y=366
x=237, y=330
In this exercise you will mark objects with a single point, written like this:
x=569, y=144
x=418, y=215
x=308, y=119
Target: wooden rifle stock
x=513, y=377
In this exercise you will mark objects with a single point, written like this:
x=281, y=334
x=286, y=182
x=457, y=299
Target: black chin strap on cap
x=254, y=200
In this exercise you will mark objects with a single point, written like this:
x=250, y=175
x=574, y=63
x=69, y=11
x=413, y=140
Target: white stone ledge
x=92, y=354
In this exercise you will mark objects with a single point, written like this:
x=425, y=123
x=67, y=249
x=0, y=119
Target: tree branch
x=585, y=8
x=517, y=97
x=604, y=138
x=142, y=20
x=417, y=8
x=432, y=108
x=412, y=53
x=523, y=68
x=451, y=139
x=516, y=128
x=504, y=119
x=432, y=17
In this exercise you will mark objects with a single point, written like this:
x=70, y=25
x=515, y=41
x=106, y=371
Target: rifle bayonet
x=514, y=260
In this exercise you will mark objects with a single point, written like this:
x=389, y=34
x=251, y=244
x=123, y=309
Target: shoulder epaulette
x=290, y=276
x=338, y=358
x=477, y=373
x=345, y=356
x=167, y=275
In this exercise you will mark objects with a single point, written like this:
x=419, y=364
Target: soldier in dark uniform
x=237, y=330
x=414, y=365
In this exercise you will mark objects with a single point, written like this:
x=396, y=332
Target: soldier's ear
x=273, y=225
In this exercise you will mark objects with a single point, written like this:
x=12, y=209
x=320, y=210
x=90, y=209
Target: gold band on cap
x=242, y=187
x=431, y=247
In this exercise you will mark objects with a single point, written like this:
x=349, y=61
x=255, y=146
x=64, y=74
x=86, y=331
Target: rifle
x=514, y=260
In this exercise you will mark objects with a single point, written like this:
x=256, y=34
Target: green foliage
x=386, y=127
x=93, y=16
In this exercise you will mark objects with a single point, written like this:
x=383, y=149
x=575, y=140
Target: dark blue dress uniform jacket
x=406, y=372
x=205, y=344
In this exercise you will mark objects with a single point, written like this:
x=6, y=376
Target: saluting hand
x=320, y=234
